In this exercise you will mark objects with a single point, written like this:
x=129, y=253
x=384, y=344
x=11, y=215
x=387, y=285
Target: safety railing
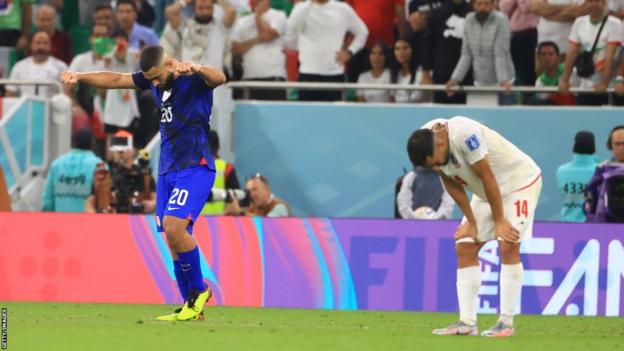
x=246, y=86
x=36, y=83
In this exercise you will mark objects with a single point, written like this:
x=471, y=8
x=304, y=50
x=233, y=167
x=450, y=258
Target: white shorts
x=519, y=208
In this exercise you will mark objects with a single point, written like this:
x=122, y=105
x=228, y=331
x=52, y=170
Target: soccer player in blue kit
x=183, y=93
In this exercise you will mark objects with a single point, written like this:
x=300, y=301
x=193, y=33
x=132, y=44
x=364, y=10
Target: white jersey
x=470, y=142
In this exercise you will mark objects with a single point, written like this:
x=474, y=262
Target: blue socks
x=181, y=279
x=190, y=266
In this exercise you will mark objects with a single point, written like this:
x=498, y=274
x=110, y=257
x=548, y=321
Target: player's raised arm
x=213, y=76
x=104, y=79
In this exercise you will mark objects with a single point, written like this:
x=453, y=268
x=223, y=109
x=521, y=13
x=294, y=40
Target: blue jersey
x=184, y=122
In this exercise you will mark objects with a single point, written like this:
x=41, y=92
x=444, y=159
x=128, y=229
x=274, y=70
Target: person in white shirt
x=582, y=38
x=258, y=37
x=203, y=38
x=317, y=29
x=39, y=66
x=405, y=71
x=506, y=184
x=378, y=74
x=556, y=18
x=120, y=107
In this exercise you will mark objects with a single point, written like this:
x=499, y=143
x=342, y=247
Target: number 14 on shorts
x=522, y=208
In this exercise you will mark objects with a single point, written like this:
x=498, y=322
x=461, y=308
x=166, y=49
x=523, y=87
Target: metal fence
x=246, y=86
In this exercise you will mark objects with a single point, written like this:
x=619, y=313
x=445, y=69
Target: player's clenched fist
x=186, y=68
x=69, y=78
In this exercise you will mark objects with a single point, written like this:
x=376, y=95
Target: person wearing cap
x=129, y=188
x=70, y=176
x=572, y=177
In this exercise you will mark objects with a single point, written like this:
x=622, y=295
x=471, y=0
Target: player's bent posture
x=183, y=92
x=506, y=185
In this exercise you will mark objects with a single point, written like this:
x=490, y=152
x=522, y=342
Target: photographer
x=226, y=179
x=261, y=201
x=128, y=187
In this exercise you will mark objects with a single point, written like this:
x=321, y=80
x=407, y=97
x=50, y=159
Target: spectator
x=146, y=15
x=317, y=29
x=616, y=8
x=422, y=196
x=552, y=70
x=126, y=16
x=86, y=112
x=203, y=38
x=104, y=15
x=418, y=12
x=556, y=18
x=226, y=178
x=441, y=47
x=523, y=24
x=572, y=177
x=582, y=38
x=404, y=71
x=128, y=187
x=378, y=74
x=261, y=201
x=15, y=21
x=615, y=143
x=120, y=107
x=39, y=66
x=70, y=176
x=383, y=18
x=45, y=21
x=605, y=190
x=258, y=37
x=485, y=48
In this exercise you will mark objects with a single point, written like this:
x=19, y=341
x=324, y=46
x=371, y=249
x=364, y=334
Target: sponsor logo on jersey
x=472, y=142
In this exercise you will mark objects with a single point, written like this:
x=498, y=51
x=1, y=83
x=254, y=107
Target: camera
x=228, y=195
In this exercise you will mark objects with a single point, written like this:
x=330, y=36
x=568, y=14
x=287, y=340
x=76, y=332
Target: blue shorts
x=183, y=194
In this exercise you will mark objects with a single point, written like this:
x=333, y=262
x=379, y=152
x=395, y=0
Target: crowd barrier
x=346, y=264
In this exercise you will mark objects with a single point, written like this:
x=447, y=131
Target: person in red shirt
x=45, y=20
x=384, y=19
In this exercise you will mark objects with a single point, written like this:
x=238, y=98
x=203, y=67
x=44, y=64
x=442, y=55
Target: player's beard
x=168, y=83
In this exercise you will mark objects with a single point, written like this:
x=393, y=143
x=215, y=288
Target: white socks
x=468, y=284
x=510, y=290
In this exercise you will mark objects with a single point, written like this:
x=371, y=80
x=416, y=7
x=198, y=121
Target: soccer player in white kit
x=506, y=185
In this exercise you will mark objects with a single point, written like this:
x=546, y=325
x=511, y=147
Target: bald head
x=40, y=45
x=45, y=18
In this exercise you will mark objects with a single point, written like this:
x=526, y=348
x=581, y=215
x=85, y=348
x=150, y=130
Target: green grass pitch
x=94, y=327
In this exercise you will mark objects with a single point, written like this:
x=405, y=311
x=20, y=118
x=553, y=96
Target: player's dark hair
x=128, y=2
x=615, y=129
x=150, y=57
x=101, y=7
x=548, y=43
x=420, y=146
